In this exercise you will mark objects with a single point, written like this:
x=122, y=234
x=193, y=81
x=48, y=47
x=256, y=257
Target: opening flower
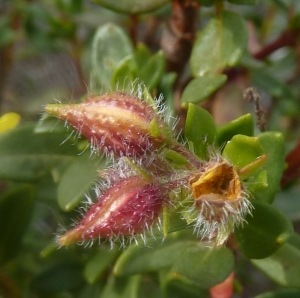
x=220, y=201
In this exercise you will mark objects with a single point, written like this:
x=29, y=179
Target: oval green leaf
x=282, y=293
x=16, y=209
x=274, y=147
x=243, y=125
x=200, y=129
x=201, y=88
x=220, y=44
x=266, y=231
x=151, y=73
x=141, y=259
x=77, y=180
x=243, y=150
x=96, y=265
x=283, y=266
x=60, y=277
x=132, y=6
x=26, y=156
x=110, y=46
x=199, y=266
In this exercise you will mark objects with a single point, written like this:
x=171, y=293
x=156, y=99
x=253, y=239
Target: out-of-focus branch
x=292, y=171
x=288, y=37
x=179, y=34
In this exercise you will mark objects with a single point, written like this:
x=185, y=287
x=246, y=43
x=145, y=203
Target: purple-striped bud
x=127, y=208
x=115, y=123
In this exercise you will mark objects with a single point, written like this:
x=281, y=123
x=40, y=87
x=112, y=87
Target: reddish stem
x=178, y=37
x=287, y=38
x=292, y=172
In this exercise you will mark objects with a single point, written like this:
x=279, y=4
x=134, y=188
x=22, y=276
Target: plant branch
x=251, y=95
x=179, y=34
x=292, y=171
x=287, y=38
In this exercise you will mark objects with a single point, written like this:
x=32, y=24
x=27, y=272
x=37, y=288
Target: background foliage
x=201, y=52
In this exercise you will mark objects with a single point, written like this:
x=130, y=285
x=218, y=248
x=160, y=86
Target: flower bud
x=128, y=207
x=114, y=123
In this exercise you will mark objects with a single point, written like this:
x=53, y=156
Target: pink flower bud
x=117, y=123
x=128, y=207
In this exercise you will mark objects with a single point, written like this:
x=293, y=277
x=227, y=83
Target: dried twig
x=251, y=95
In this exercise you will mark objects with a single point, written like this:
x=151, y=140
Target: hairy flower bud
x=128, y=207
x=115, y=123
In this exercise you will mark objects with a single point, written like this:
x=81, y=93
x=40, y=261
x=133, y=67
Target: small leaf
x=201, y=88
x=60, y=277
x=243, y=150
x=243, y=125
x=282, y=266
x=141, y=259
x=96, y=265
x=110, y=46
x=200, y=129
x=207, y=271
x=258, y=182
x=174, y=288
x=273, y=144
x=281, y=293
x=132, y=6
x=220, y=44
x=142, y=54
x=153, y=70
x=121, y=287
x=266, y=231
x=244, y=2
x=276, y=87
x=77, y=180
x=16, y=209
x=27, y=161
x=124, y=74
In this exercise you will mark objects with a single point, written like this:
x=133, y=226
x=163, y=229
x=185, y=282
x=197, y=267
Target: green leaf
x=266, y=231
x=283, y=266
x=16, y=209
x=282, y=293
x=174, y=288
x=243, y=150
x=200, y=129
x=243, y=125
x=142, y=54
x=206, y=2
x=60, y=277
x=110, y=46
x=132, y=6
x=244, y=2
x=220, y=44
x=201, y=88
x=141, y=259
x=274, y=147
x=153, y=70
x=96, y=265
x=26, y=156
x=124, y=74
x=77, y=180
x=120, y=287
x=269, y=83
x=199, y=266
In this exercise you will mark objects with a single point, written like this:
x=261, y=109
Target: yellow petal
x=9, y=121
